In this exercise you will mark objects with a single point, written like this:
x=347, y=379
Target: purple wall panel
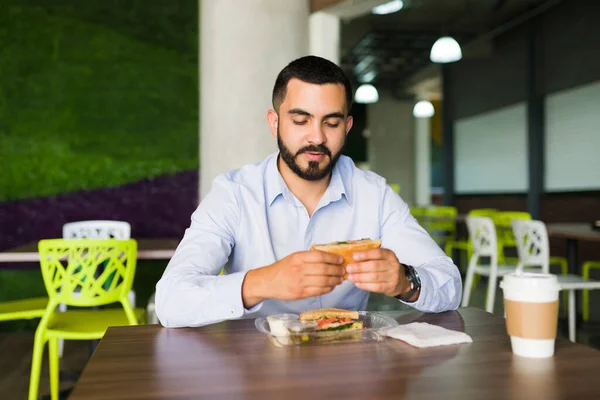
x=158, y=207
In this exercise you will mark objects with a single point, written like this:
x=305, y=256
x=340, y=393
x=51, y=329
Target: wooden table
x=573, y=233
x=232, y=360
x=148, y=249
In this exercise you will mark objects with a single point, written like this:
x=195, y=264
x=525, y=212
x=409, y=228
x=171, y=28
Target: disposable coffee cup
x=531, y=306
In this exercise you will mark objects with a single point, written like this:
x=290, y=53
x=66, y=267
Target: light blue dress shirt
x=250, y=219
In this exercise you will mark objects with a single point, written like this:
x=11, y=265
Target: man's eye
x=332, y=125
x=299, y=122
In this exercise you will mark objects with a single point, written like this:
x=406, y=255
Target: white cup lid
x=529, y=280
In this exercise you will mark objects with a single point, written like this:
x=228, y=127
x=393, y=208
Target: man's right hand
x=297, y=276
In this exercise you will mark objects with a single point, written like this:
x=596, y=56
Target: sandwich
x=333, y=319
x=326, y=325
x=347, y=249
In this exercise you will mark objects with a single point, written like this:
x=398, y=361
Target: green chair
x=503, y=223
x=440, y=222
x=102, y=272
x=419, y=213
x=483, y=212
x=585, y=273
x=31, y=308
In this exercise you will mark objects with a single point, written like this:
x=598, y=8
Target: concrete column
x=391, y=143
x=243, y=46
x=422, y=161
x=324, y=36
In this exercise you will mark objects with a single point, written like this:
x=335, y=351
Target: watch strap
x=415, y=283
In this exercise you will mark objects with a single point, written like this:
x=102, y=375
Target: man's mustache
x=315, y=149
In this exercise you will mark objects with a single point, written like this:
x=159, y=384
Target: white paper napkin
x=422, y=334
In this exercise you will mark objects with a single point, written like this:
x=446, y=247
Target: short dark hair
x=311, y=69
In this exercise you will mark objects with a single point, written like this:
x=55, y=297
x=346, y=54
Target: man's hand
x=379, y=271
x=297, y=276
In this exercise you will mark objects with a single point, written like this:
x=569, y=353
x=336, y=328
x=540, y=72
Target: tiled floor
x=15, y=348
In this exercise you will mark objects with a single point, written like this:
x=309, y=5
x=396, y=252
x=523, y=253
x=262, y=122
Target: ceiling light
x=388, y=8
x=445, y=50
x=423, y=109
x=366, y=94
x=368, y=77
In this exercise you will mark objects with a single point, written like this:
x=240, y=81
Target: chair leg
x=491, y=294
x=62, y=307
x=564, y=269
x=54, y=362
x=585, y=298
x=572, y=333
x=131, y=297
x=468, y=287
x=36, y=364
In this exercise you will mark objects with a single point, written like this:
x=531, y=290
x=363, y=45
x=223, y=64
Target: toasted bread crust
x=328, y=312
x=347, y=250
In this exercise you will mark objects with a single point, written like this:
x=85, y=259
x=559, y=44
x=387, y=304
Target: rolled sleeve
x=439, y=292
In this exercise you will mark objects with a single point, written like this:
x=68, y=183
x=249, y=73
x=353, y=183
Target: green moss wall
x=96, y=93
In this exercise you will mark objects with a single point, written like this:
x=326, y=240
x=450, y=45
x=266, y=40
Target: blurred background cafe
x=115, y=116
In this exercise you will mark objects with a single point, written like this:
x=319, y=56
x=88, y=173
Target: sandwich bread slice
x=347, y=249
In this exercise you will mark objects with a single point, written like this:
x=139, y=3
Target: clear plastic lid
x=290, y=330
x=282, y=317
x=299, y=326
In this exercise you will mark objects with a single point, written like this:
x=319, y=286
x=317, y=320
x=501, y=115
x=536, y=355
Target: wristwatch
x=415, y=283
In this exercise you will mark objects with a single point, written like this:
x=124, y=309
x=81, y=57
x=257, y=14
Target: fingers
x=323, y=270
x=320, y=281
x=380, y=276
x=371, y=277
x=374, y=254
x=316, y=256
x=367, y=266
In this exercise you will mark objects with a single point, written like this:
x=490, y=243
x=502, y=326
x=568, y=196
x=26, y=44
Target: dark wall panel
x=484, y=84
x=571, y=50
x=569, y=57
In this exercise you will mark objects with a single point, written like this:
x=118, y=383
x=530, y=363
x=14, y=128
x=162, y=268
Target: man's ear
x=273, y=121
x=349, y=122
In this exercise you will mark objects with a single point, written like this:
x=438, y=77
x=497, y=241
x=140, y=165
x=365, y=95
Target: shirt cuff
x=424, y=302
x=237, y=282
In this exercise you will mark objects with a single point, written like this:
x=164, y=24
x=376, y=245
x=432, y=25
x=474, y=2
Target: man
x=259, y=221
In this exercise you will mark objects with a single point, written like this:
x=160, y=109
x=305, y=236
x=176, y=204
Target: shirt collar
x=276, y=186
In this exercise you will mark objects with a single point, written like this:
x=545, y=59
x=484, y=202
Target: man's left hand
x=378, y=271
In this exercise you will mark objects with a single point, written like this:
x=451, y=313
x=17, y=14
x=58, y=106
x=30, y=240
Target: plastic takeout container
x=289, y=330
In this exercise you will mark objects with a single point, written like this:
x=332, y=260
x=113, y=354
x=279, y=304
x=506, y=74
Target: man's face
x=311, y=128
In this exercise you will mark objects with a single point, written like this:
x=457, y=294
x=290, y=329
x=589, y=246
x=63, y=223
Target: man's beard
x=313, y=172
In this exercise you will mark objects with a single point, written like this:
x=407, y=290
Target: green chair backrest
x=440, y=222
x=101, y=270
x=503, y=222
x=482, y=212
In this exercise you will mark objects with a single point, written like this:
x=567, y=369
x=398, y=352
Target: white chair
x=482, y=233
x=533, y=249
x=151, y=310
x=96, y=229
